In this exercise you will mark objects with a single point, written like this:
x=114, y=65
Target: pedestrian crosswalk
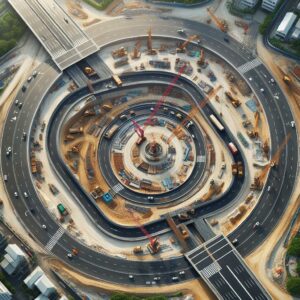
x=249, y=65
x=211, y=270
x=116, y=189
x=54, y=239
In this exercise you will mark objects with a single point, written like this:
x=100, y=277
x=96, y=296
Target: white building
x=4, y=292
x=45, y=286
x=38, y=279
x=269, y=4
x=33, y=277
x=286, y=24
x=249, y=3
x=296, y=32
x=13, y=258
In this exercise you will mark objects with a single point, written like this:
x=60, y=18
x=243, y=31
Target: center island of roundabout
x=168, y=156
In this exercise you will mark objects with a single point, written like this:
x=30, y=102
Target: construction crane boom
x=185, y=43
x=222, y=25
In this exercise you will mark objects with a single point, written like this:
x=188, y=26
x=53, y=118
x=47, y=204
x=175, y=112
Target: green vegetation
x=9, y=286
x=11, y=30
x=183, y=1
x=236, y=11
x=121, y=296
x=294, y=247
x=295, y=45
x=293, y=286
x=268, y=19
x=98, y=4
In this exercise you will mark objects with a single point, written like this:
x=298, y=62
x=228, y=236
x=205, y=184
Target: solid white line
x=230, y=286
x=239, y=281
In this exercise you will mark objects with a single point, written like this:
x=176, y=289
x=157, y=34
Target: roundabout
x=158, y=161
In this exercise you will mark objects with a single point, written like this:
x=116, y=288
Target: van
x=175, y=278
x=5, y=177
x=123, y=117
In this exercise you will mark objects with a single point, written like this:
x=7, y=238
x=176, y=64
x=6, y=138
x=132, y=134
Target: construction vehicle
x=258, y=180
x=153, y=246
x=242, y=24
x=201, y=60
x=151, y=51
x=240, y=169
x=254, y=133
x=137, y=250
x=136, y=51
x=76, y=130
x=286, y=79
x=121, y=62
x=183, y=216
x=62, y=210
x=89, y=71
x=184, y=231
x=75, y=251
x=182, y=47
x=246, y=123
x=119, y=53
x=221, y=24
x=234, y=169
x=235, y=102
x=53, y=189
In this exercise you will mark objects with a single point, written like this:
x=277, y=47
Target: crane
x=151, y=51
x=195, y=110
x=221, y=24
x=136, y=51
x=201, y=61
x=153, y=245
x=182, y=47
x=141, y=130
x=258, y=180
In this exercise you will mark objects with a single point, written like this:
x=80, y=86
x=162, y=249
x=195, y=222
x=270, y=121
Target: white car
x=262, y=90
x=180, y=31
x=34, y=74
x=293, y=124
x=250, y=78
x=44, y=226
x=276, y=97
x=16, y=194
x=150, y=198
x=16, y=102
x=181, y=273
x=29, y=78
x=269, y=188
x=25, y=195
x=130, y=276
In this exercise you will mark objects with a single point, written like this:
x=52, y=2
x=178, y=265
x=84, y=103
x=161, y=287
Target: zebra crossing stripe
x=118, y=187
x=249, y=65
x=54, y=239
x=201, y=158
x=211, y=270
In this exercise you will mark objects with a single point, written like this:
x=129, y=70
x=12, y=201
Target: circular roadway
x=268, y=211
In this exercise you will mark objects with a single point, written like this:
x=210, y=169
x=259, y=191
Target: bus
x=216, y=122
x=117, y=80
x=111, y=131
x=233, y=148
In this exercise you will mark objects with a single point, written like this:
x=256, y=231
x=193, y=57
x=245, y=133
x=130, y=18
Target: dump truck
x=240, y=169
x=62, y=210
x=234, y=169
x=76, y=130
x=184, y=231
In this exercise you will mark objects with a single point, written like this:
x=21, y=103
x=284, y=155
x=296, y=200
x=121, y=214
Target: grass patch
x=11, y=30
x=98, y=4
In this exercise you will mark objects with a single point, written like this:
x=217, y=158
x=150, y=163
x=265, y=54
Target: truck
x=137, y=250
x=240, y=169
x=53, y=188
x=76, y=130
x=234, y=169
x=62, y=210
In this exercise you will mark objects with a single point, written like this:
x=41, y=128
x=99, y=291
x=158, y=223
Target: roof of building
x=14, y=251
x=286, y=23
x=3, y=289
x=33, y=277
x=41, y=297
x=45, y=286
x=298, y=24
x=7, y=266
x=296, y=34
x=63, y=297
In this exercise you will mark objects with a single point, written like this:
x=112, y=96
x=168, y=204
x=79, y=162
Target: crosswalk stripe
x=249, y=65
x=211, y=270
x=54, y=239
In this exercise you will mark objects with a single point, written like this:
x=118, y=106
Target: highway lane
x=281, y=206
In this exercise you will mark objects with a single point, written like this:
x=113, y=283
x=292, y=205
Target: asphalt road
x=268, y=210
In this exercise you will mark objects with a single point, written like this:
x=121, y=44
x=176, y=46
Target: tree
x=293, y=286
x=294, y=248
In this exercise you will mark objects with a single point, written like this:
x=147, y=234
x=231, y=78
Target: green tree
x=293, y=286
x=294, y=247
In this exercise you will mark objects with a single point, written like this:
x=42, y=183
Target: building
x=45, y=286
x=38, y=279
x=296, y=32
x=286, y=24
x=269, y=4
x=13, y=258
x=298, y=6
x=33, y=277
x=249, y=3
x=4, y=292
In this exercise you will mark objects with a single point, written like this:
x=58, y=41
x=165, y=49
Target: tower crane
x=221, y=24
x=201, y=61
x=182, y=47
x=136, y=51
x=195, y=110
x=154, y=245
x=151, y=51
